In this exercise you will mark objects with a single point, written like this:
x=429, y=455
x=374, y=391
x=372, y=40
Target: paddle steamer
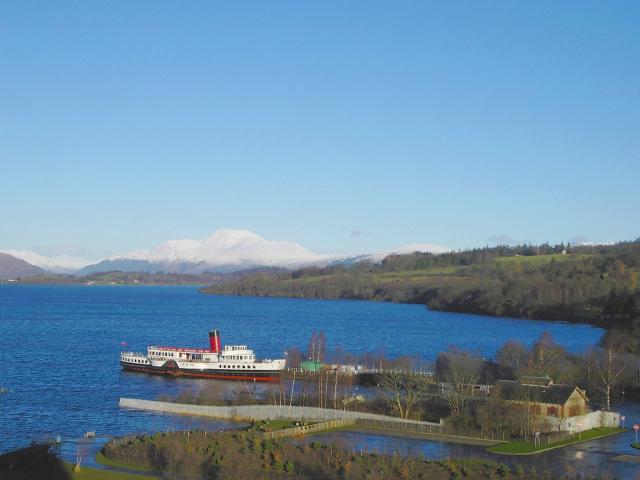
x=233, y=362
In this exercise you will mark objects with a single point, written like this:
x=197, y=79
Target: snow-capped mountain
x=224, y=250
x=55, y=264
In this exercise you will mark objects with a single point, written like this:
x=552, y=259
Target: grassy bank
x=87, y=473
x=107, y=462
x=520, y=447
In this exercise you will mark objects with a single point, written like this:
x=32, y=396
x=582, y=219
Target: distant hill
x=120, y=265
x=143, y=278
x=13, y=268
x=594, y=284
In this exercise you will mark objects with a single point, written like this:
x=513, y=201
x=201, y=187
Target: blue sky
x=343, y=126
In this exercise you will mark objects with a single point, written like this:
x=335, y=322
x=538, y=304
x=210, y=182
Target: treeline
x=144, y=278
x=594, y=284
x=600, y=288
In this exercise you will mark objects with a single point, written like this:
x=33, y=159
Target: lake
x=59, y=346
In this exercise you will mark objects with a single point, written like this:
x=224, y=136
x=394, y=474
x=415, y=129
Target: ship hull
x=258, y=376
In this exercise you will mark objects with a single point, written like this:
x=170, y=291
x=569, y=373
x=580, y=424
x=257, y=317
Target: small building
x=550, y=400
x=311, y=366
x=454, y=368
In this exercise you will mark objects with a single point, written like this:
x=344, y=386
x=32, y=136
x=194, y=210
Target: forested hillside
x=596, y=284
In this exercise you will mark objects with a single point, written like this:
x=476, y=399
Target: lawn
x=102, y=460
x=426, y=272
x=519, y=447
x=87, y=473
x=538, y=259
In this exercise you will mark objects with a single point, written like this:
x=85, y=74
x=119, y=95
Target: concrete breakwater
x=326, y=418
x=266, y=412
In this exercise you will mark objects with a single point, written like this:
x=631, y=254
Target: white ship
x=233, y=362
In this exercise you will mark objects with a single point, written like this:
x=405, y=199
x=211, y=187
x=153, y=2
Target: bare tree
x=543, y=355
x=313, y=345
x=459, y=372
x=608, y=369
x=322, y=346
x=512, y=354
x=402, y=390
x=317, y=347
x=462, y=380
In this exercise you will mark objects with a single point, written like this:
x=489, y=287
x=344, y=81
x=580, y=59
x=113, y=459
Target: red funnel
x=214, y=341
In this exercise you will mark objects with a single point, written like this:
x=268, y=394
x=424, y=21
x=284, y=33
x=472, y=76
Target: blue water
x=59, y=346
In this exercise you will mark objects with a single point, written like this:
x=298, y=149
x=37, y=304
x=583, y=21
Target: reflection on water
x=593, y=458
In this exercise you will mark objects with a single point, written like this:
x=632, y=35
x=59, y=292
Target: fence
x=433, y=429
x=322, y=415
x=305, y=429
x=263, y=412
x=588, y=421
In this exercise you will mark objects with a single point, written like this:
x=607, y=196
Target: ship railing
x=133, y=354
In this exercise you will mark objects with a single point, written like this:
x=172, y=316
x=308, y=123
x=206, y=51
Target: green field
x=519, y=447
x=87, y=473
x=102, y=460
x=540, y=259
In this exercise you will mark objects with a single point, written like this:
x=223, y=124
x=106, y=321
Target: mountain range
x=12, y=267
x=225, y=251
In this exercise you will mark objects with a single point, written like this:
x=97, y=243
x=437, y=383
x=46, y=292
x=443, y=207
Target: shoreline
x=571, y=321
